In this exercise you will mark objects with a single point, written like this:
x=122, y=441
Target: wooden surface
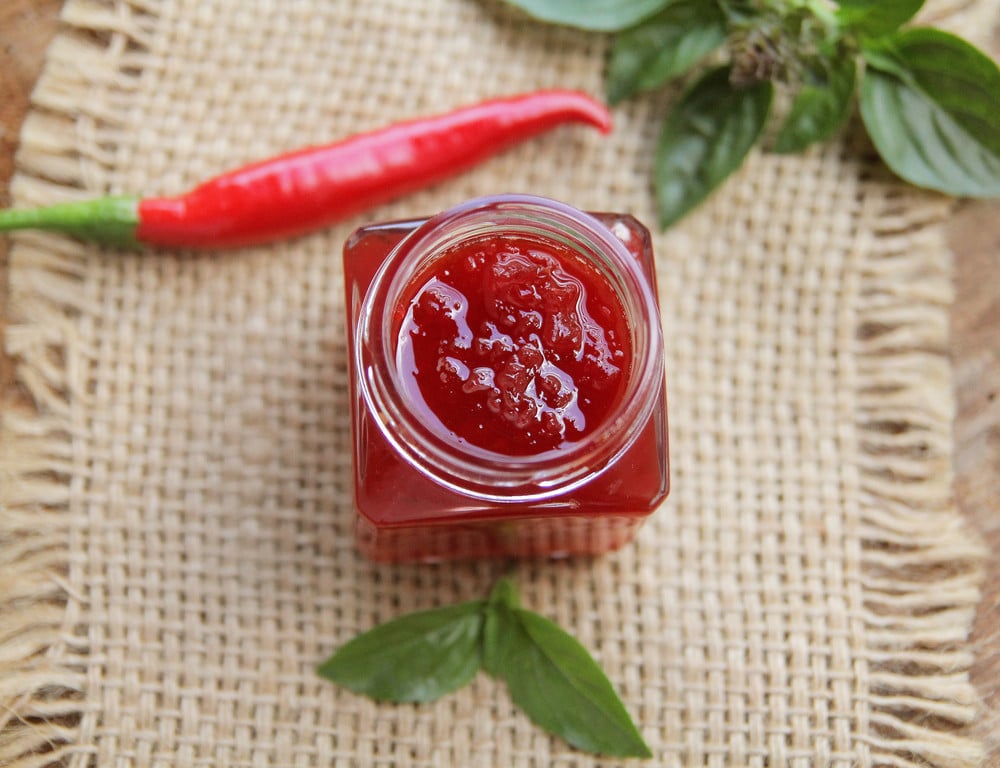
x=26, y=27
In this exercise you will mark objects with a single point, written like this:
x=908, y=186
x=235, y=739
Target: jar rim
x=464, y=467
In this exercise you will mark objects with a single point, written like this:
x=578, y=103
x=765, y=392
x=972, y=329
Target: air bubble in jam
x=514, y=345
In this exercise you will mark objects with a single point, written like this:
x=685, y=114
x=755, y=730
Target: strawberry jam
x=507, y=382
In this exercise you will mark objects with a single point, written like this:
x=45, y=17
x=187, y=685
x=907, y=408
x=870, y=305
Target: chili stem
x=105, y=220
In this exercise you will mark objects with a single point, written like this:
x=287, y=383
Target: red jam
x=513, y=345
x=507, y=382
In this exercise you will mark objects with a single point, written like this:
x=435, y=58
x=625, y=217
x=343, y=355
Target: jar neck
x=430, y=447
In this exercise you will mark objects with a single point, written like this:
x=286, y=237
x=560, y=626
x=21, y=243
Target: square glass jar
x=423, y=494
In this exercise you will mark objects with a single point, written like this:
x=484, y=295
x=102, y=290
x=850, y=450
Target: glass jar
x=425, y=490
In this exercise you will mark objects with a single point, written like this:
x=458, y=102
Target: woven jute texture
x=176, y=547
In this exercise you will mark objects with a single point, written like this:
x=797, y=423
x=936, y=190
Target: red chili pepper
x=304, y=190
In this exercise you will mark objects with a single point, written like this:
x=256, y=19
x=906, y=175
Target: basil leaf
x=882, y=56
x=931, y=104
x=559, y=685
x=740, y=12
x=819, y=109
x=876, y=17
x=705, y=138
x=491, y=641
x=417, y=657
x=504, y=593
x=595, y=15
x=664, y=46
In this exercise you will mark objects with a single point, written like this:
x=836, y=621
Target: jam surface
x=513, y=344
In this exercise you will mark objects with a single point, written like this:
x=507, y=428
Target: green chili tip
x=105, y=220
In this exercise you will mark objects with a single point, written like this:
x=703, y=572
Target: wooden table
x=27, y=26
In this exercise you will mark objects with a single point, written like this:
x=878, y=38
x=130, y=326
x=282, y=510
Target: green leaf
x=931, y=104
x=504, y=594
x=819, y=109
x=705, y=138
x=739, y=12
x=559, y=685
x=595, y=15
x=664, y=46
x=876, y=17
x=881, y=55
x=417, y=657
x=491, y=641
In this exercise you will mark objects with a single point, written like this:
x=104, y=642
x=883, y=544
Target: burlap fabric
x=176, y=530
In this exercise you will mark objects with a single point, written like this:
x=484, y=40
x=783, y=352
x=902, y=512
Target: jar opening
x=426, y=434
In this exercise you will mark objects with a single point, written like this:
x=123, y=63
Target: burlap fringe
x=921, y=563
x=921, y=567
x=42, y=655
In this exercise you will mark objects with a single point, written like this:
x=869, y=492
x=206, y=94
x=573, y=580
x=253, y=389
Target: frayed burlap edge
x=921, y=563
x=75, y=107
x=921, y=568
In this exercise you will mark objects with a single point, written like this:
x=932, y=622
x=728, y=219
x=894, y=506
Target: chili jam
x=507, y=382
x=514, y=345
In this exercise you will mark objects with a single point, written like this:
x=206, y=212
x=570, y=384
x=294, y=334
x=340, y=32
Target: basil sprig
x=929, y=100
x=425, y=655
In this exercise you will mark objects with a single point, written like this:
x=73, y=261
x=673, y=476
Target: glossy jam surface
x=515, y=345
